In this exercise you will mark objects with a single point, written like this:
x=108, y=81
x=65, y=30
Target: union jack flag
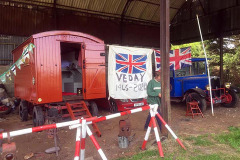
x=178, y=58
x=132, y=64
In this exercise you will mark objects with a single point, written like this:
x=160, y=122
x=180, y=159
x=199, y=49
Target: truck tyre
x=23, y=110
x=113, y=106
x=196, y=97
x=232, y=100
x=93, y=109
x=38, y=116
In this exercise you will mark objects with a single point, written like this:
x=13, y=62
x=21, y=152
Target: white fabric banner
x=129, y=71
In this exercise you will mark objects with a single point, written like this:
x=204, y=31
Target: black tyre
x=196, y=97
x=5, y=109
x=232, y=100
x=113, y=106
x=93, y=109
x=23, y=110
x=38, y=116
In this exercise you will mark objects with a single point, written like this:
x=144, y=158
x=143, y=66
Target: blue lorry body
x=184, y=83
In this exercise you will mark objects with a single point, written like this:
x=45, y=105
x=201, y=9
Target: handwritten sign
x=129, y=71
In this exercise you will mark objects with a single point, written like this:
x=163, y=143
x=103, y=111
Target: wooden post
x=165, y=70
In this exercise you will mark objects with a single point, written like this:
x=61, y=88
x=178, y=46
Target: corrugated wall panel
x=48, y=62
x=22, y=21
x=7, y=44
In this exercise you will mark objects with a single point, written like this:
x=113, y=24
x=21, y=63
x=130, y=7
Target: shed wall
x=7, y=44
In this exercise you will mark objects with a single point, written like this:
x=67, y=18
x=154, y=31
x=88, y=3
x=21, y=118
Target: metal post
x=165, y=71
x=221, y=59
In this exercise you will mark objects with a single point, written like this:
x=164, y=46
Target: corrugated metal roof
x=145, y=10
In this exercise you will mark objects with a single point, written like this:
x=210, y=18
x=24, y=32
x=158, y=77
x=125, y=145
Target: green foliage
x=196, y=48
x=231, y=56
x=232, y=138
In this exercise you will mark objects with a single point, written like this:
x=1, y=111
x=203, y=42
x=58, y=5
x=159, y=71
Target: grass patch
x=232, y=138
x=154, y=154
x=149, y=154
x=206, y=157
x=200, y=140
x=218, y=156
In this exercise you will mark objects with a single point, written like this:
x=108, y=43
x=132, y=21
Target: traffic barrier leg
x=157, y=135
x=147, y=135
x=83, y=137
x=89, y=132
x=77, y=146
x=170, y=130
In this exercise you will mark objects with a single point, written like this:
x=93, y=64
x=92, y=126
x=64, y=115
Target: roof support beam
x=54, y=15
x=122, y=18
x=155, y=4
x=202, y=7
x=165, y=71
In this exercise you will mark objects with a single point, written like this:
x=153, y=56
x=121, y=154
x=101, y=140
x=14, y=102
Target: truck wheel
x=232, y=100
x=113, y=106
x=196, y=97
x=93, y=109
x=38, y=116
x=23, y=110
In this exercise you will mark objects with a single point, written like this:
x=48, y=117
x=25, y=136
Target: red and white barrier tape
x=45, y=127
x=79, y=123
x=99, y=119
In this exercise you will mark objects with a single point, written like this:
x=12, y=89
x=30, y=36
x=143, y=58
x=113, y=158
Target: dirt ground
x=183, y=127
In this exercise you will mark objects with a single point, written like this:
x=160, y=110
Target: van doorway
x=71, y=70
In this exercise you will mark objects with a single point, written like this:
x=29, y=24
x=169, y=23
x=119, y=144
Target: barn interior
x=124, y=22
x=144, y=23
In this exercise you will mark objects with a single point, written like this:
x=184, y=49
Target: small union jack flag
x=179, y=58
x=132, y=64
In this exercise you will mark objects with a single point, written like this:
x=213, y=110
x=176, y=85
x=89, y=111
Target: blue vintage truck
x=191, y=84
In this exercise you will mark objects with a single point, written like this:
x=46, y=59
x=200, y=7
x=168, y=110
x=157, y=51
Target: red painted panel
x=24, y=87
x=48, y=63
x=45, y=67
x=94, y=76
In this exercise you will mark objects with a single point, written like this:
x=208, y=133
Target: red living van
x=64, y=66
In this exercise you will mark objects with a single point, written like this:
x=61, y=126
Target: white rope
x=209, y=81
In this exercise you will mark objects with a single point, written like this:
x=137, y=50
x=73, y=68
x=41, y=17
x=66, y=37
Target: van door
x=93, y=67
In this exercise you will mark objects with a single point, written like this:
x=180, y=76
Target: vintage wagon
x=64, y=66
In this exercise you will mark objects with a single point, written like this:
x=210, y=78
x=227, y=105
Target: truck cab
x=191, y=84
